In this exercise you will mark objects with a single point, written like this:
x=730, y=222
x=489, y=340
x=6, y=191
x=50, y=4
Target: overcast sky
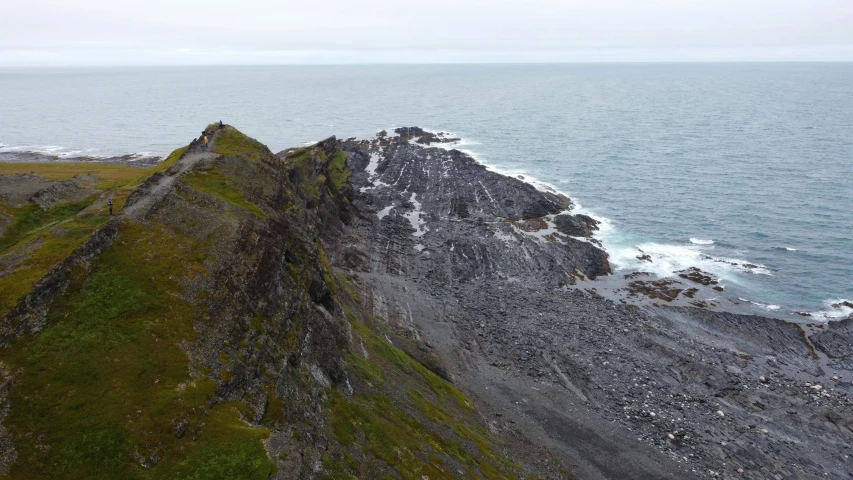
x=206, y=32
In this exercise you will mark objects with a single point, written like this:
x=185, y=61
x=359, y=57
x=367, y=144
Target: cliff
x=371, y=309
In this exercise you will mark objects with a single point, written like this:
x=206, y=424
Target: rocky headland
x=386, y=307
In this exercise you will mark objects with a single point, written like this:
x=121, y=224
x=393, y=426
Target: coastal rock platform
x=495, y=276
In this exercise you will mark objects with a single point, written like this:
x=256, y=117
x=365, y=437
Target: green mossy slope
x=107, y=384
x=213, y=339
x=35, y=240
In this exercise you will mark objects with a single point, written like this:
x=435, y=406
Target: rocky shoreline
x=382, y=308
x=615, y=376
x=129, y=159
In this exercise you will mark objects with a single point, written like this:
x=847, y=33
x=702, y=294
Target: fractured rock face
x=57, y=193
x=444, y=215
x=837, y=340
x=576, y=225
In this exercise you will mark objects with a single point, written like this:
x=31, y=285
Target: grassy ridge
x=230, y=141
x=383, y=424
x=107, y=385
x=39, y=239
x=109, y=175
x=215, y=183
x=106, y=389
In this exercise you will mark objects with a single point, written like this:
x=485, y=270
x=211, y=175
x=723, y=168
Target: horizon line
x=394, y=64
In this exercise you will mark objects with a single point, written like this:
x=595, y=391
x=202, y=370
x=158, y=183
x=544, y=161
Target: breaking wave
x=699, y=241
x=834, y=309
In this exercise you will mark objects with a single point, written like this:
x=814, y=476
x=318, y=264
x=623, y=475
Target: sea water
x=742, y=170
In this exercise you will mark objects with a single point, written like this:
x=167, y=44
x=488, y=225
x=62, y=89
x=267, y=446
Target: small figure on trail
x=205, y=141
x=221, y=125
x=110, y=205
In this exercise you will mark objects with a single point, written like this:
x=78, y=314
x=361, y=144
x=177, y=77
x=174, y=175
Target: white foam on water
x=667, y=259
x=54, y=150
x=25, y=148
x=624, y=248
x=834, y=310
x=769, y=308
x=699, y=241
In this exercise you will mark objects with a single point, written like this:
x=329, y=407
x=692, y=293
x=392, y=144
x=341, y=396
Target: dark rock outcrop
x=453, y=221
x=837, y=340
x=576, y=225
x=423, y=137
x=327, y=294
x=480, y=266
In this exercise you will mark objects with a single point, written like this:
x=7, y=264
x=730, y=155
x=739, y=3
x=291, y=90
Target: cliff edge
x=382, y=308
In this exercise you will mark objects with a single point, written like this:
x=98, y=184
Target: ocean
x=743, y=170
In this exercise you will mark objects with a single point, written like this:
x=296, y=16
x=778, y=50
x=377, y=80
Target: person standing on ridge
x=110, y=205
x=205, y=141
x=221, y=126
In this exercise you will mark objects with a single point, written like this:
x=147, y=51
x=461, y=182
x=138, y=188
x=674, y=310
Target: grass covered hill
x=202, y=332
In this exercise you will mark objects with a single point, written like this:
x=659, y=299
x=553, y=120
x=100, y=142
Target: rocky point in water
x=382, y=308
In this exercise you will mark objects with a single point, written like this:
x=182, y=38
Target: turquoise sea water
x=756, y=158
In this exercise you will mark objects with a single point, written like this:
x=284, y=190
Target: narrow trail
x=140, y=209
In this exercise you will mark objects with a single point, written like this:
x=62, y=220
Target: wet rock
x=663, y=289
x=424, y=137
x=837, y=340
x=696, y=275
x=576, y=225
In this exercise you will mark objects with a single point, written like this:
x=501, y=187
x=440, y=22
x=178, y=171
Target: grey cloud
x=47, y=32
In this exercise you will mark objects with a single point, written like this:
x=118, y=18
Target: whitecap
x=8, y=148
x=834, y=310
x=699, y=241
x=628, y=252
x=768, y=307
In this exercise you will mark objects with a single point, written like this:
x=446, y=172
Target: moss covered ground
x=107, y=385
x=39, y=239
x=414, y=423
x=107, y=390
x=109, y=175
x=220, y=186
x=230, y=141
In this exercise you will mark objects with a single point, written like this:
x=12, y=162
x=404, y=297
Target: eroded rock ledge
x=480, y=268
